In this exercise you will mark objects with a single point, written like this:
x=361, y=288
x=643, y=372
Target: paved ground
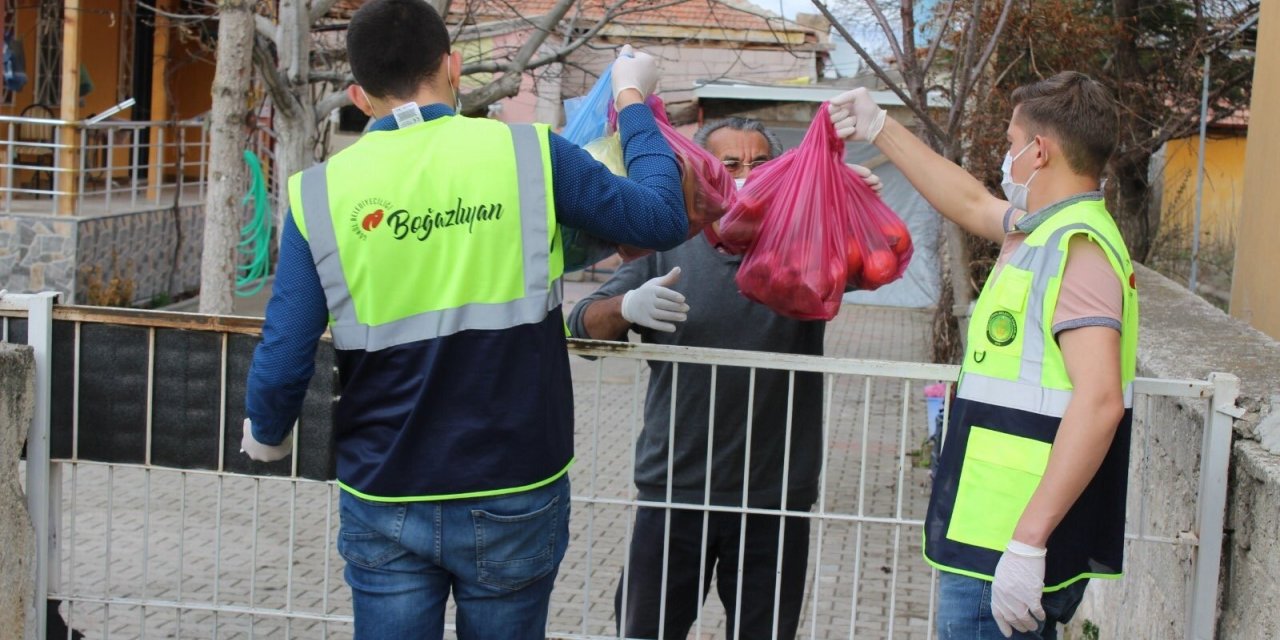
x=165, y=535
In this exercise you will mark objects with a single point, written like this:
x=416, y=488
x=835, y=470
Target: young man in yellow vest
x=430, y=250
x=1029, y=500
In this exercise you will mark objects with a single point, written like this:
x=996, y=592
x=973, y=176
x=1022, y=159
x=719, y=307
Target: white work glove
x=856, y=115
x=264, y=452
x=634, y=70
x=655, y=306
x=1015, y=594
x=872, y=180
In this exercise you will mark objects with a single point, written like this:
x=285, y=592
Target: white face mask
x=1016, y=193
x=740, y=182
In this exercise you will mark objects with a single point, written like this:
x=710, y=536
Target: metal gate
x=157, y=534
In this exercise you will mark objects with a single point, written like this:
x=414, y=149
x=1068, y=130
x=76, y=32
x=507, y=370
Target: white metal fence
x=144, y=547
x=117, y=165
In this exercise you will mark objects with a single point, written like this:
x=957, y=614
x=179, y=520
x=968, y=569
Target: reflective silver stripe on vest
x=1044, y=263
x=1021, y=395
x=539, y=296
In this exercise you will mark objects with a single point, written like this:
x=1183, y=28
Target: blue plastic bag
x=587, y=119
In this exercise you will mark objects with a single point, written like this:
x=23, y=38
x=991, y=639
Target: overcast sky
x=865, y=30
x=844, y=58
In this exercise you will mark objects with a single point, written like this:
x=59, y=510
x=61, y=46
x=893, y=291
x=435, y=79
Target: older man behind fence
x=706, y=310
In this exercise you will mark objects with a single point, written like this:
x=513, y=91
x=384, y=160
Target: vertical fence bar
x=862, y=484
x=135, y=167
x=591, y=509
x=40, y=338
x=10, y=159
x=636, y=424
x=746, y=491
x=897, y=513
x=146, y=508
x=106, y=593
x=328, y=541
x=1146, y=462
x=669, y=512
x=180, y=161
x=108, y=180
x=706, y=499
x=158, y=179
x=828, y=392
x=83, y=173
x=782, y=520
x=1212, y=500
x=253, y=553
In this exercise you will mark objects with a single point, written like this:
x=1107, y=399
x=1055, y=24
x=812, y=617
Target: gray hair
x=739, y=124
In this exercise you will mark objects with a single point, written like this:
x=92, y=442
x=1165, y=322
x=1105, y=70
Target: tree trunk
x=1129, y=164
x=228, y=177
x=295, y=149
x=1132, y=206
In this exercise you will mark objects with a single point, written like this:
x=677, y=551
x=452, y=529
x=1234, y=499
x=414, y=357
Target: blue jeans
x=499, y=556
x=964, y=610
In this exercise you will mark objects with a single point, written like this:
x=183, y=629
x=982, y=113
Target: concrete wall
x=1253, y=288
x=1182, y=337
x=17, y=569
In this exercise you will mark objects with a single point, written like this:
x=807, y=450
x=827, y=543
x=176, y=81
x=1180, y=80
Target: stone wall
x=156, y=253
x=37, y=253
x=1183, y=337
x=17, y=539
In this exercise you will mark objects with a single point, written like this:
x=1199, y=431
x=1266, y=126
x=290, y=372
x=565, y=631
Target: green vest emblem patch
x=1001, y=328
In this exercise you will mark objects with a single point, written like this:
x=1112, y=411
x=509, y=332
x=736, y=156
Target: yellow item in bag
x=608, y=150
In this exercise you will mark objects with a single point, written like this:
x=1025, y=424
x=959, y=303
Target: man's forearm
x=603, y=319
x=944, y=184
x=1084, y=437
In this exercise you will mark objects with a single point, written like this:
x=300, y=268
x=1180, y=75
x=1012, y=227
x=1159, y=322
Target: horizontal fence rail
x=158, y=526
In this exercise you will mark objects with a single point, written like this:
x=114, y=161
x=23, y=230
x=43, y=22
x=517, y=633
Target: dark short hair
x=1078, y=111
x=394, y=46
x=739, y=124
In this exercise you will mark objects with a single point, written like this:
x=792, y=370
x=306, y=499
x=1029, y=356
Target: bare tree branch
x=320, y=8
x=973, y=70
x=919, y=110
x=327, y=104
x=886, y=28
x=265, y=27
x=933, y=48
x=271, y=76
x=342, y=78
x=294, y=43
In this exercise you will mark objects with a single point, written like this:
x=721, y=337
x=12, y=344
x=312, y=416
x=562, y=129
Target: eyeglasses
x=735, y=165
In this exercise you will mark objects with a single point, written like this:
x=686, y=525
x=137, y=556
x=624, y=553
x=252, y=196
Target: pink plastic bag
x=709, y=190
x=810, y=226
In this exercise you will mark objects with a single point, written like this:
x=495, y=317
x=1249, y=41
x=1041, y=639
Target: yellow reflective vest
x=1012, y=394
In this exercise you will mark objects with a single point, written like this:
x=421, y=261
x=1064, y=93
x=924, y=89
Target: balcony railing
x=115, y=165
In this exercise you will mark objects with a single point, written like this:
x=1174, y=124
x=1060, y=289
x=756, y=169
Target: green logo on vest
x=1002, y=328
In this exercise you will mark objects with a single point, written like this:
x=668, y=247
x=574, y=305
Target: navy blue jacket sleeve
x=646, y=209
x=285, y=359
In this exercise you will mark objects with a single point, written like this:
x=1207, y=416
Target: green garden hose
x=255, y=244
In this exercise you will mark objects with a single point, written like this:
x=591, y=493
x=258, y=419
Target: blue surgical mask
x=740, y=182
x=1016, y=193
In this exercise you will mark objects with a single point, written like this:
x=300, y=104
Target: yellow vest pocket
x=999, y=474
